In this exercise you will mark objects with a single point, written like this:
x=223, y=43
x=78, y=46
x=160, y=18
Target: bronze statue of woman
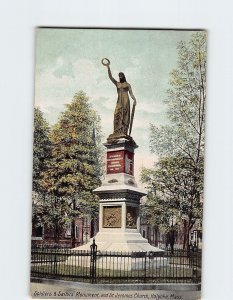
x=122, y=111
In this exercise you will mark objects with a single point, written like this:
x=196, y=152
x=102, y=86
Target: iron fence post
x=93, y=262
x=145, y=267
x=55, y=262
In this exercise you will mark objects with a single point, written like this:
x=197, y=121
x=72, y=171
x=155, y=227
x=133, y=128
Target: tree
x=180, y=144
x=185, y=105
x=41, y=148
x=172, y=196
x=74, y=169
x=41, y=152
x=51, y=211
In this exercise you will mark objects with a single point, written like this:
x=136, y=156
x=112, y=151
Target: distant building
x=84, y=230
x=158, y=239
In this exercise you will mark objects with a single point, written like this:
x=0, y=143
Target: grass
x=74, y=273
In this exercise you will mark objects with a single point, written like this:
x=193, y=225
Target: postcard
x=118, y=163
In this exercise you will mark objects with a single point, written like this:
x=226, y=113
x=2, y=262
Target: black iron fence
x=116, y=267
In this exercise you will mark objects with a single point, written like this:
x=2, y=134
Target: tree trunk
x=185, y=235
x=188, y=225
x=92, y=231
x=73, y=239
x=56, y=234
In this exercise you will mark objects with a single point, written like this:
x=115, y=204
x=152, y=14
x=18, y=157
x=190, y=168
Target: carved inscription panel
x=115, y=162
x=120, y=161
x=112, y=216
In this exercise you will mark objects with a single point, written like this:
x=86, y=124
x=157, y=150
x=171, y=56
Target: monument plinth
x=119, y=222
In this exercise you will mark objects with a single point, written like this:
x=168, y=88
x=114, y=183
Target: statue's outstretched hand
x=105, y=62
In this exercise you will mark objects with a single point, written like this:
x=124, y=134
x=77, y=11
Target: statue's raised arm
x=106, y=63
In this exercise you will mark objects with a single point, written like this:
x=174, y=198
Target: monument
x=119, y=194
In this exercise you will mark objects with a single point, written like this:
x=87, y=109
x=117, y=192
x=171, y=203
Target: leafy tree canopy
x=175, y=184
x=41, y=147
x=74, y=169
x=67, y=165
x=184, y=135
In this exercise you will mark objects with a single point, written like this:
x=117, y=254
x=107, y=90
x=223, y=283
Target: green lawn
x=69, y=272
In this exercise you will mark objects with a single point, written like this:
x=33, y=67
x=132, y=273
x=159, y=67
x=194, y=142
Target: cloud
x=63, y=68
x=143, y=161
x=150, y=105
x=56, y=85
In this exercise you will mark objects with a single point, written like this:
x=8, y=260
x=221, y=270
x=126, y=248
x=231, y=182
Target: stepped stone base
x=118, y=241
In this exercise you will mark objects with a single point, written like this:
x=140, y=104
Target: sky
x=69, y=60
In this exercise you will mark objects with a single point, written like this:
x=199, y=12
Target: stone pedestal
x=120, y=203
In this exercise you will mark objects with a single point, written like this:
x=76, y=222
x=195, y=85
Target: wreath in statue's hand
x=105, y=62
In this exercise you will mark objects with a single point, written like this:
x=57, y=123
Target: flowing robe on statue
x=122, y=110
